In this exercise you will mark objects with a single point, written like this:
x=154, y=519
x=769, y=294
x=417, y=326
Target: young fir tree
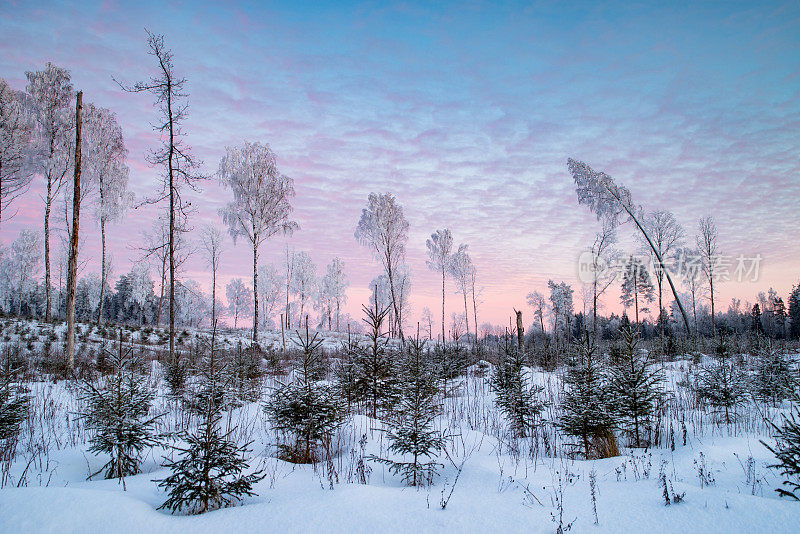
x=375, y=383
x=305, y=410
x=636, y=385
x=722, y=384
x=117, y=412
x=515, y=397
x=13, y=405
x=787, y=450
x=208, y=473
x=451, y=362
x=344, y=372
x=411, y=430
x=588, y=410
x=773, y=377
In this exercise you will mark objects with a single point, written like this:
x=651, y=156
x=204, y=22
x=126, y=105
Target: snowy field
x=490, y=482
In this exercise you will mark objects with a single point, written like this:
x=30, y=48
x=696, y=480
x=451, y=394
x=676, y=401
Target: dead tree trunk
x=520, y=331
x=72, y=273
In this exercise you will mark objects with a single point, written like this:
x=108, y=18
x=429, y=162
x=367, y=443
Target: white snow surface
x=502, y=487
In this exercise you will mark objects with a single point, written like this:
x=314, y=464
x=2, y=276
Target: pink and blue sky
x=466, y=111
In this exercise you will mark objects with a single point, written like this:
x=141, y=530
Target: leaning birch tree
x=612, y=203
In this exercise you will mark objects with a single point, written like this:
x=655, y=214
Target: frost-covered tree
x=308, y=412
x=15, y=138
x=427, y=321
x=212, y=243
x=666, y=234
x=25, y=258
x=261, y=204
x=561, y=304
x=515, y=394
x=106, y=168
x=612, y=203
x=411, y=432
x=141, y=287
x=333, y=289
x=117, y=412
x=192, y=305
x=239, y=301
x=269, y=292
x=51, y=98
x=588, y=411
x=304, y=279
x=174, y=155
x=537, y=301
x=710, y=256
x=636, y=385
x=636, y=286
x=603, y=255
x=439, y=247
x=383, y=228
x=460, y=269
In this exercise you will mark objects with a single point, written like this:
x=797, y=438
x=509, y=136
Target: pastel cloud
x=466, y=114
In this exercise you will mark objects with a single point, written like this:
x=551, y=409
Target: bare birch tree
x=710, y=258
x=261, y=201
x=667, y=235
x=106, y=167
x=15, y=138
x=439, y=246
x=51, y=99
x=211, y=241
x=460, y=269
x=383, y=228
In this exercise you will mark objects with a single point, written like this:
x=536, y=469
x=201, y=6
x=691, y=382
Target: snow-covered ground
x=490, y=481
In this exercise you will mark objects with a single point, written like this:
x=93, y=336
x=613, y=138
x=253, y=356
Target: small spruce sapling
x=117, y=412
x=723, y=384
x=588, y=409
x=787, y=450
x=514, y=396
x=636, y=385
x=412, y=431
x=208, y=473
x=306, y=410
x=375, y=383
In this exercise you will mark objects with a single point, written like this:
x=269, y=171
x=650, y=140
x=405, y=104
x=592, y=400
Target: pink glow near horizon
x=469, y=137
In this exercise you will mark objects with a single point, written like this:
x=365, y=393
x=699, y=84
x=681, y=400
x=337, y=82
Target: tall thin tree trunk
x=255, y=289
x=394, y=300
x=102, y=267
x=48, y=205
x=444, y=338
x=72, y=275
x=475, y=313
x=466, y=314
x=172, y=355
